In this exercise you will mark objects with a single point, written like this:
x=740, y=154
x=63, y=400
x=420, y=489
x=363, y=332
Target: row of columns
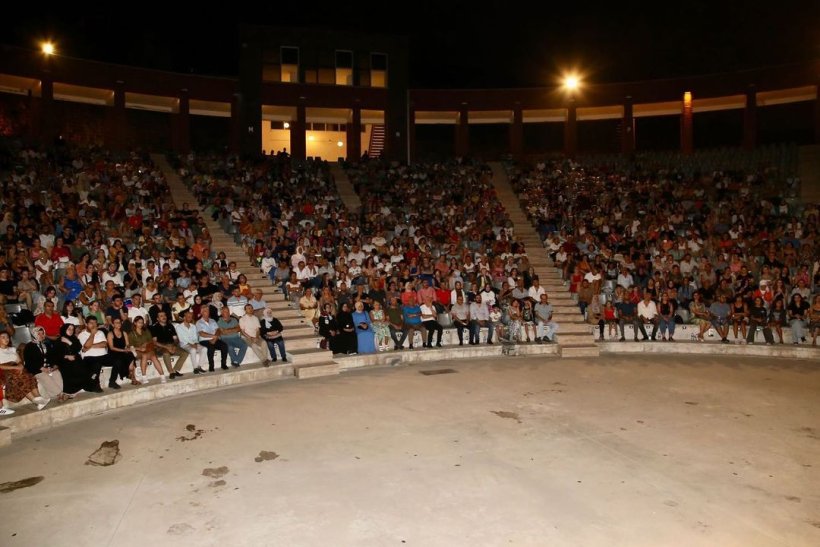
x=516, y=135
x=42, y=125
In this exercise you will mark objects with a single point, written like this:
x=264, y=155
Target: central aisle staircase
x=300, y=340
x=575, y=338
x=346, y=191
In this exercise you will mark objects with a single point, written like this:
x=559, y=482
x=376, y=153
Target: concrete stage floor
x=620, y=450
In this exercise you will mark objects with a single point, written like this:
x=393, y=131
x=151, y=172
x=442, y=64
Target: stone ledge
x=780, y=351
x=482, y=351
x=28, y=420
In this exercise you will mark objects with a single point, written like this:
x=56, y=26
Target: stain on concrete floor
x=191, y=428
x=507, y=414
x=265, y=456
x=215, y=472
x=107, y=454
x=7, y=487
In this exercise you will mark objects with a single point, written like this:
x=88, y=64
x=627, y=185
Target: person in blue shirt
x=411, y=313
x=229, y=332
x=627, y=313
x=365, y=340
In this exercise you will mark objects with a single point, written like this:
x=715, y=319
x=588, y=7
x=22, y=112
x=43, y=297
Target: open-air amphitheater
x=543, y=346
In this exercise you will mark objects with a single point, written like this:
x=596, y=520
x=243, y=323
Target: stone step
x=574, y=327
x=317, y=370
x=311, y=356
x=580, y=351
x=561, y=318
x=289, y=322
x=302, y=341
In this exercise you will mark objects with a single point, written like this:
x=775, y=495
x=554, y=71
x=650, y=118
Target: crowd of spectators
x=429, y=241
x=106, y=272
x=656, y=242
x=99, y=269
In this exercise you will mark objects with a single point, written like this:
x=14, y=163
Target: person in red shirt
x=443, y=296
x=50, y=321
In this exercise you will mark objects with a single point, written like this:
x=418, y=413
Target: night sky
x=520, y=47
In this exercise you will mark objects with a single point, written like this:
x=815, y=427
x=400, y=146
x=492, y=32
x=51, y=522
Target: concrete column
x=182, y=143
x=571, y=131
x=298, y=144
x=517, y=132
x=750, y=119
x=354, y=134
x=628, y=128
x=411, y=134
x=463, y=132
x=234, y=138
x=687, y=141
x=116, y=119
x=47, y=130
x=817, y=117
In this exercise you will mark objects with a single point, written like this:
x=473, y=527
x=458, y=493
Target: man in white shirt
x=137, y=310
x=356, y=254
x=111, y=274
x=545, y=326
x=460, y=312
x=536, y=290
x=189, y=340
x=488, y=296
x=480, y=317
x=250, y=328
x=257, y=301
x=647, y=313
x=209, y=332
x=94, y=350
x=237, y=302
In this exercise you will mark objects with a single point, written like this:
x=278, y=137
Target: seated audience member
x=758, y=318
x=395, y=323
x=208, y=331
x=797, y=311
x=189, y=340
x=411, y=317
x=166, y=344
x=271, y=330
x=720, y=313
x=230, y=334
x=121, y=357
x=480, y=318
x=19, y=383
x=251, y=328
x=94, y=350
x=142, y=342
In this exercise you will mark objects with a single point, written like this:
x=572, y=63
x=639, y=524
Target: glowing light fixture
x=311, y=138
x=572, y=82
x=287, y=125
x=340, y=144
x=47, y=48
